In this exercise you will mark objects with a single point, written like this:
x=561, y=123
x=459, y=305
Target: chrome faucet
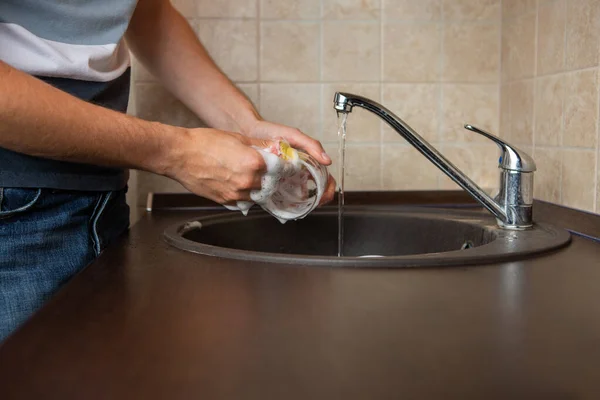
x=512, y=206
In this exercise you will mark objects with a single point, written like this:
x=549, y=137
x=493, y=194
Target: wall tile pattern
x=550, y=94
x=525, y=69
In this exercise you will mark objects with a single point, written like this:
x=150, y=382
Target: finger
x=244, y=195
x=231, y=198
x=256, y=183
x=224, y=194
x=260, y=143
x=329, y=192
x=209, y=194
x=250, y=161
x=312, y=146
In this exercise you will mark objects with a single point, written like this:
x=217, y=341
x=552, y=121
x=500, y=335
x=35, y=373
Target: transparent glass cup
x=300, y=192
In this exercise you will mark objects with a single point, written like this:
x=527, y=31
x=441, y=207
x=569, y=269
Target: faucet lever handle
x=512, y=158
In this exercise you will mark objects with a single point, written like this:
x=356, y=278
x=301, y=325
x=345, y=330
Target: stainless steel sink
x=398, y=238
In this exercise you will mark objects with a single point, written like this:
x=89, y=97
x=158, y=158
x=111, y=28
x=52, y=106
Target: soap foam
x=290, y=188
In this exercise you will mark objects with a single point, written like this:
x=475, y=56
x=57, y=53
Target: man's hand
x=217, y=165
x=221, y=166
x=271, y=131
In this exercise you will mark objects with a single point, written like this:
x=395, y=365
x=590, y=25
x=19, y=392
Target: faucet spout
x=341, y=104
x=512, y=207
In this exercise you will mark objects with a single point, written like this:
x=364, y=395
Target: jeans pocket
x=109, y=220
x=15, y=201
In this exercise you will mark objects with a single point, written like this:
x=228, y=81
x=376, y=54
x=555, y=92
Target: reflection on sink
x=417, y=237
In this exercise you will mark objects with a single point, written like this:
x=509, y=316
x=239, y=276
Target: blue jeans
x=46, y=237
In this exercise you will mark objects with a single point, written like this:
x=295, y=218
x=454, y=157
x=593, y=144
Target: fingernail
x=325, y=157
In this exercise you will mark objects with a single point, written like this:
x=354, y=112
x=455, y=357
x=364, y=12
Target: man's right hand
x=218, y=165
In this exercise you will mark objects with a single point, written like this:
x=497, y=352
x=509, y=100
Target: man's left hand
x=272, y=131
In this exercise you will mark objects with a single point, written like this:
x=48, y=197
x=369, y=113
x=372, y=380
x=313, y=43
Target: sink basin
x=373, y=238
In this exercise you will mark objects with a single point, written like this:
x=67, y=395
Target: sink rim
x=508, y=245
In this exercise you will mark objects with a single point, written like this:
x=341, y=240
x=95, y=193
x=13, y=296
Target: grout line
x=566, y=36
x=551, y=74
x=258, y=54
x=321, y=62
x=361, y=82
x=525, y=14
x=522, y=80
x=372, y=20
x=597, y=184
x=561, y=135
x=454, y=144
x=500, y=82
x=381, y=73
x=558, y=147
x=563, y=118
x=502, y=128
x=440, y=109
x=535, y=80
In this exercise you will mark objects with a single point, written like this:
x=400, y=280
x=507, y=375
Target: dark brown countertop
x=148, y=321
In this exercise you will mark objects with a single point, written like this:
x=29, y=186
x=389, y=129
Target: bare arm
x=39, y=120
x=165, y=43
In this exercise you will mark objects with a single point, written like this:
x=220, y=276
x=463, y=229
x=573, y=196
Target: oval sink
x=373, y=238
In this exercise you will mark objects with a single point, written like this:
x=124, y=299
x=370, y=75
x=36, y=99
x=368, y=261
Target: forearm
x=39, y=120
x=165, y=43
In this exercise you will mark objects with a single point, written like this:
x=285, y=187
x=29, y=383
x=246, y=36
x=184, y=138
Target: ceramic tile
x=226, y=8
x=404, y=168
x=548, y=174
x=469, y=104
x=472, y=10
x=519, y=47
x=156, y=104
x=251, y=92
x=289, y=51
x=411, y=53
x=581, y=109
x=512, y=8
x=277, y=9
x=578, y=179
x=504, y=131
x=139, y=73
x=505, y=50
x=549, y=98
x=416, y=104
x=598, y=181
x=186, y=7
x=551, y=37
x=233, y=46
x=332, y=150
x=468, y=60
x=363, y=167
x=295, y=105
x=477, y=161
x=521, y=112
x=411, y=10
x=351, y=51
x=351, y=9
x=583, y=33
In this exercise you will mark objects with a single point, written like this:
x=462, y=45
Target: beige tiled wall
x=434, y=62
x=550, y=94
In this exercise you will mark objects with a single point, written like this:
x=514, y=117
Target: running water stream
x=342, y=117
